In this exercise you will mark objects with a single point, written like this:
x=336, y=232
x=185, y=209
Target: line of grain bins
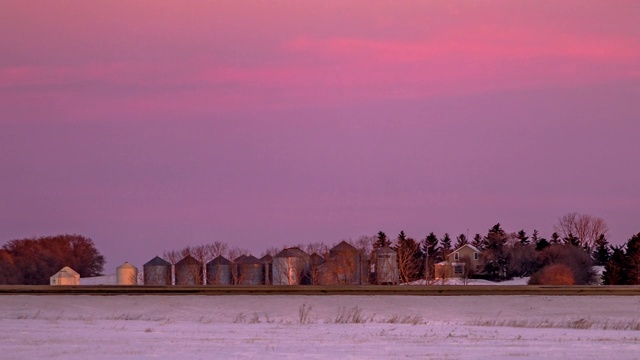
x=344, y=265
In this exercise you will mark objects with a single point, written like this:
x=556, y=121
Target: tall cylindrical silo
x=188, y=271
x=157, y=272
x=291, y=267
x=126, y=274
x=347, y=265
x=250, y=271
x=219, y=271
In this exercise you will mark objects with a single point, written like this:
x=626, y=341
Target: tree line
x=33, y=261
x=567, y=256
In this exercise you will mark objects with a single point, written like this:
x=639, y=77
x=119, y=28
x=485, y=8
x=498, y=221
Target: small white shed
x=66, y=276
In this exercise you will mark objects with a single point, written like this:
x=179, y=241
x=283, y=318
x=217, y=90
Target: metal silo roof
x=188, y=260
x=220, y=260
x=157, y=261
x=343, y=246
x=291, y=252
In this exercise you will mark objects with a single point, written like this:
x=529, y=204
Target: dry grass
x=583, y=324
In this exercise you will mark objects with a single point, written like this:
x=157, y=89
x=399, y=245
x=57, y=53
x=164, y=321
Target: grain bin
x=126, y=274
x=157, y=272
x=267, y=261
x=386, y=266
x=346, y=264
x=249, y=271
x=219, y=271
x=189, y=271
x=291, y=267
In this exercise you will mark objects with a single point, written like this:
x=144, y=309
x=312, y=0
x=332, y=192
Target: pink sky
x=151, y=125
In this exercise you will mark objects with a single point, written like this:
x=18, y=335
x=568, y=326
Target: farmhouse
x=461, y=263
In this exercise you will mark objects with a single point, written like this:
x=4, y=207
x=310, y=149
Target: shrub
x=556, y=274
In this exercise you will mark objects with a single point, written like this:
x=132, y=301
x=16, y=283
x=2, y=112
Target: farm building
x=219, y=271
x=157, y=272
x=249, y=270
x=66, y=276
x=188, y=271
x=291, y=267
x=385, y=266
x=345, y=266
x=126, y=274
x=461, y=263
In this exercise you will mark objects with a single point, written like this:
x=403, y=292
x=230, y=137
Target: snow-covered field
x=275, y=326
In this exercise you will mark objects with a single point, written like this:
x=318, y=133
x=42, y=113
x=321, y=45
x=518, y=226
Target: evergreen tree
x=431, y=252
x=461, y=240
x=496, y=254
x=445, y=246
x=602, y=252
x=541, y=244
x=477, y=242
x=535, y=237
x=615, y=270
x=522, y=237
x=430, y=245
x=381, y=241
x=633, y=260
x=571, y=240
x=555, y=238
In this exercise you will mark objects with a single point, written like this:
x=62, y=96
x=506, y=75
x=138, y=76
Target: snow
x=99, y=280
x=287, y=327
x=458, y=281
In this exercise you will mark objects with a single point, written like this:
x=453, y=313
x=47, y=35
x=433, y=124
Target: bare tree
x=468, y=269
x=319, y=248
x=409, y=258
x=585, y=227
x=217, y=248
x=364, y=244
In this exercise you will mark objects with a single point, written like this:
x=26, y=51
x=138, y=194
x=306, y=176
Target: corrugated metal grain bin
x=250, y=271
x=291, y=267
x=267, y=260
x=386, y=266
x=157, y=272
x=346, y=264
x=189, y=271
x=219, y=271
x=126, y=274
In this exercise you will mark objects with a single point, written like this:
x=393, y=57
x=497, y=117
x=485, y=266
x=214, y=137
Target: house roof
x=157, y=261
x=469, y=246
x=67, y=272
x=267, y=258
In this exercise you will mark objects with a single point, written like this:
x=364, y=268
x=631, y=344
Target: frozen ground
x=318, y=327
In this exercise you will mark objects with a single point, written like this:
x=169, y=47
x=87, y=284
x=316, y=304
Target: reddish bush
x=556, y=274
